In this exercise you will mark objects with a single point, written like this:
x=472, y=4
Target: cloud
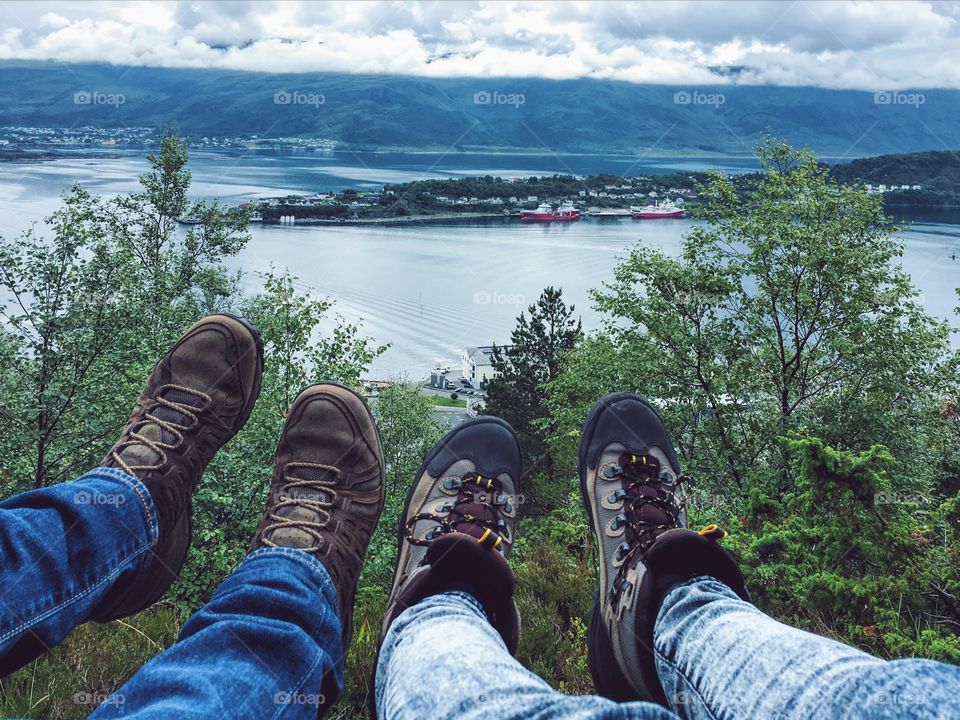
x=865, y=45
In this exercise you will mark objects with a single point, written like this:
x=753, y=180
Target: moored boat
x=658, y=211
x=546, y=213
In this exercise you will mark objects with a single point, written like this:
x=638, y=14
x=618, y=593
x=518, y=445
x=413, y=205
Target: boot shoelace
x=171, y=424
x=316, y=492
x=472, y=489
x=643, y=472
x=644, y=484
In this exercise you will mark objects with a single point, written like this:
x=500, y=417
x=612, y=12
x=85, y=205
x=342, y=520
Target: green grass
x=445, y=401
x=92, y=662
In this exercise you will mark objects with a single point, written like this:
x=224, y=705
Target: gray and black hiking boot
x=327, y=492
x=198, y=396
x=459, y=523
x=635, y=498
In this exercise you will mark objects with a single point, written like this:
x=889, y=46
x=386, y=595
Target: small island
x=914, y=180
x=479, y=197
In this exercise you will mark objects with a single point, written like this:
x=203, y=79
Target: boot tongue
x=172, y=415
x=643, y=475
x=141, y=454
x=648, y=512
x=294, y=536
x=473, y=528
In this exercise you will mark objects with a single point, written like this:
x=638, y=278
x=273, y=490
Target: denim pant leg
x=61, y=550
x=720, y=657
x=441, y=659
x=267, y=645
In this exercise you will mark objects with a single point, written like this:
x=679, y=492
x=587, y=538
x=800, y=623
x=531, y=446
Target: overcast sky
x=867, y=45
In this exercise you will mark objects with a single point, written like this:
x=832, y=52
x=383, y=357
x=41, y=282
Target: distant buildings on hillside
x=147, y=136
x=879, y=189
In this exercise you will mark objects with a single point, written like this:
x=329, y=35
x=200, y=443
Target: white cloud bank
x=865, y=45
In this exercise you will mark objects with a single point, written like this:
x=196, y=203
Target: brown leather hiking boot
x=198, y=396
x=459, y=523
x=635, y=499
x=327, y=491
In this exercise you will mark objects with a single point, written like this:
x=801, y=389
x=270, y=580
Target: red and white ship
x=546, y=213
x=658, y=211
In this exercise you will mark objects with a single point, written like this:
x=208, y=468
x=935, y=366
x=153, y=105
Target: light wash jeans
x=717, y=656
x=263, y=645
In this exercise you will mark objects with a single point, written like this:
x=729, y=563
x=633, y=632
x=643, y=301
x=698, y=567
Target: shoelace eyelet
x=617, y=496
x=618, y=588
x=668, y=478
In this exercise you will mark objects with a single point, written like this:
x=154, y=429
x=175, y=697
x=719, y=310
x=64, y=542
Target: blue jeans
x=270, y=635
x=260, y=648
x=717, y=657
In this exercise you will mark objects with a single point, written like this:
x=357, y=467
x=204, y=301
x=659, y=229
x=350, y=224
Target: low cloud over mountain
x=848, y=45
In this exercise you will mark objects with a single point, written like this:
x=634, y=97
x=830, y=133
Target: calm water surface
x=429, y=290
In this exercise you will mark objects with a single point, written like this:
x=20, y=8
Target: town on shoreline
x=911, y=180
x=484, y=197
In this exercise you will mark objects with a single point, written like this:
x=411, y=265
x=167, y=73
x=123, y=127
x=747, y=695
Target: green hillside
x=471, y=113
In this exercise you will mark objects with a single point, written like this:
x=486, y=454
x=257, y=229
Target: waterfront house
x=478, y=365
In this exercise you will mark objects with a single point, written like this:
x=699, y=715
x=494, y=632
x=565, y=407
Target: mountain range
x=470, y=114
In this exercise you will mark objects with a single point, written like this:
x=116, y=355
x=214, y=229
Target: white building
x=478, y=365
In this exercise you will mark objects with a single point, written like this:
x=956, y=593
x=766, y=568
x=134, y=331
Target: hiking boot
x=635, y=499
x=459, y=524
x=198, y=396
x=327, y=492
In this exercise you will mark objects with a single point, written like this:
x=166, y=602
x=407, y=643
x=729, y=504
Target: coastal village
x=526, y=198
x=480, y=197
x=140, y=137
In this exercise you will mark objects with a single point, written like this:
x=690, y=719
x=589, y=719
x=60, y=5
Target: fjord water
x=430, y=290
